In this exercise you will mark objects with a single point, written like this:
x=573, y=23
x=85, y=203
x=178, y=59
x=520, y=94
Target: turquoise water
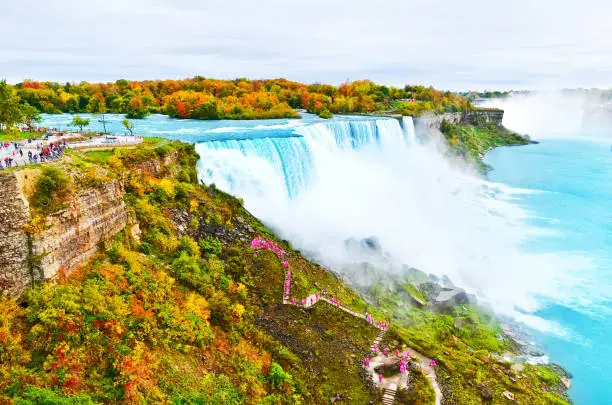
x=574, y=203
x=188, y=130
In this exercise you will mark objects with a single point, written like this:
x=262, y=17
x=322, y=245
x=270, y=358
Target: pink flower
x=432, y=363
x=367, y=362
x=397, y=352
x=380, y=378
x=375, y=347
x=385, y=351
x=256, y=243
x=285, y=264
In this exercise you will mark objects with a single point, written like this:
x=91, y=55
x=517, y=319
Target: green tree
x=10, y=110
x=80, y=122
x=30, y=115
x=129, y=125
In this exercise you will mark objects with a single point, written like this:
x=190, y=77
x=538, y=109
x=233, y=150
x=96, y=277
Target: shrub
x=52, y=189
x=145, y=248
x=44, y=396
x=278, y=376
x=189, y=246
x=326, y=114
x=210, y=245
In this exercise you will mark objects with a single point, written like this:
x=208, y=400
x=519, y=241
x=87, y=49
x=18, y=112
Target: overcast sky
x=469, y=44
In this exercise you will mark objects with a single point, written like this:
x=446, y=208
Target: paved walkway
x=36, y=146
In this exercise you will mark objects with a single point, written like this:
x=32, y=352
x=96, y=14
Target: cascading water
x=344, y=179
x=409, y=131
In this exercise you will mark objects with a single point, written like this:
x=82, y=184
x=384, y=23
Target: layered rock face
x=75, y=234
x=14, y=242
x=70, y=237
x=476, y=117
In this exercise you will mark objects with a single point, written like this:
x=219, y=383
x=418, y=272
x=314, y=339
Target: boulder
x=566, y=382
x=389, y=367
x=430, y=290
x=450, y=298
x=485, y=392
x=371, y=245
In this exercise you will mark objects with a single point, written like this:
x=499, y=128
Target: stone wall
x=70, y=237
x=462, y=118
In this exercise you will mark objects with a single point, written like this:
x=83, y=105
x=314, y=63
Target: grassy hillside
x=187, y=312
x=473, y=142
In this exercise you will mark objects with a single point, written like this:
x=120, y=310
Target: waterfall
x=409, y=132
x=287, y=162
x=324, y=183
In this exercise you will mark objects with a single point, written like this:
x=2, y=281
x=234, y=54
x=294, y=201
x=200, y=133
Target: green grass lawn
x=18, y=136
x=99, y=156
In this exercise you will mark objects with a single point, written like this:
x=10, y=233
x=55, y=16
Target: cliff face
x=69, y=238
x=14, y=242
x=463, y=118
x=74, y=235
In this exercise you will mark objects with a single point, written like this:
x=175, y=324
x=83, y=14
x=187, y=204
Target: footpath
x=376, y=356
x=48, y=148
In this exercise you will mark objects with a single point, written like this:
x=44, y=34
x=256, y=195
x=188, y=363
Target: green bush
x=189, y=246
x=210, y=246
x=326, y=114
x=278, y=376
x=52, y=189
x=44, y=396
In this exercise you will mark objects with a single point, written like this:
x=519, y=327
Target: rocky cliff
x=65, y=240
x=15, y=269
x=476, y=117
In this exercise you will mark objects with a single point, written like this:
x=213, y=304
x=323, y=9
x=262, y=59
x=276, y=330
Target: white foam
x=424, y=211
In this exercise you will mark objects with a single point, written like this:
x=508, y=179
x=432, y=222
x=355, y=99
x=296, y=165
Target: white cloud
x=469, y=44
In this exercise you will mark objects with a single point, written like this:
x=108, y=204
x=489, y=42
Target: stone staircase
x=388, y=396
x=376, y=342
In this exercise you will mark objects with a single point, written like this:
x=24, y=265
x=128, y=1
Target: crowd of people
x=30, y=151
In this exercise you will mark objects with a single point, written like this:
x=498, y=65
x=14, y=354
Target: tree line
x=204, y=98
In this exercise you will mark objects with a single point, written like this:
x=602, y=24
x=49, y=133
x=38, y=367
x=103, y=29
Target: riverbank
x=472, y=142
